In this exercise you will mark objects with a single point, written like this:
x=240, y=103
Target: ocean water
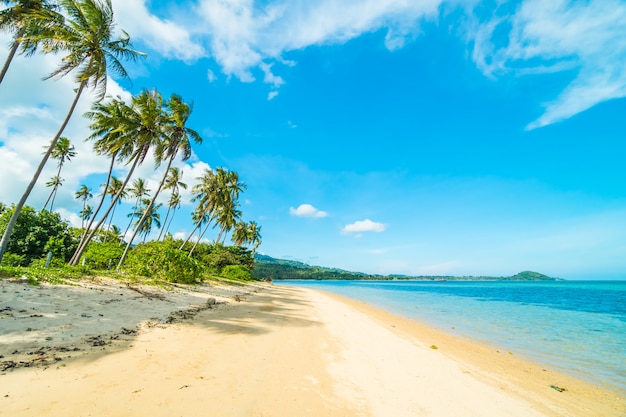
x=578, y=327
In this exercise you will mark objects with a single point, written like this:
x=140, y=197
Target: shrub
x=163, y=260
x=13, y=259
x=236, y=272
x=103, y=255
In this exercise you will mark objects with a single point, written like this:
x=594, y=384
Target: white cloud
x=171, y=39
x=271, y=95
x=307, y=210
x=549, y=36
x=211, y=76
x=364, y=226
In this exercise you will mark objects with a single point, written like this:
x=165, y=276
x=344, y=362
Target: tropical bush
x=164, y=261
x=236, y=272
x=102, y=255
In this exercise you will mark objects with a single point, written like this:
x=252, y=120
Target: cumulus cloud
x=364, y=226
x=551, y=36
x=307, y=210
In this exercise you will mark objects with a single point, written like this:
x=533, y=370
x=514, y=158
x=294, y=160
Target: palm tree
x=172, y=137
x=173, y=204
x=85, y=214
x=18, y=19
x=117, y=193
x=151, y=218
x=55, y=182
x=247, y=233
x=173, y=182
x=86, y=38
x=138, y=190
x=83, y=193
x=203, y=193
x=63, y=151
x=108, y=121
x=227, y=212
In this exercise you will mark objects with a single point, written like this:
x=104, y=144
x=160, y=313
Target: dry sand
x=104, y=349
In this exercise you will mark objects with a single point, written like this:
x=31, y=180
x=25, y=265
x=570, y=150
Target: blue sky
x=384, y=136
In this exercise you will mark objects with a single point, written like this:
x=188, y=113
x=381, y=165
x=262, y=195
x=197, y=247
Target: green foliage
x=163, y=260
x=12, y=259
x=36, y=233
x=37, y=274
x=102, y=255
x=236, y=272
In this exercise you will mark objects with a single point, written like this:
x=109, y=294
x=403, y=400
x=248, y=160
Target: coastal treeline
x=268, y=268
x=125, y=134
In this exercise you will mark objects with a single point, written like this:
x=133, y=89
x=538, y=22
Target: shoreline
x=278, y=351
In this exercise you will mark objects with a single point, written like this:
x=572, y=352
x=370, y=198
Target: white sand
x=282, y=351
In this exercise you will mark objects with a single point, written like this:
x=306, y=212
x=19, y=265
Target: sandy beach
x=104, y=348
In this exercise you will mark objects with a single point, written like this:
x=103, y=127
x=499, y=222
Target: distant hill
x=266, y=267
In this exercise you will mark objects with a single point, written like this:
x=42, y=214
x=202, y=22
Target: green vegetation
x=267, y=268
x=82, y=34
x=42, y=243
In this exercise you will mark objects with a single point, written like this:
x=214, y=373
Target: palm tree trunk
x=54, y=196
x=83, y=246
x=76, y=254
x=194, y=229
x=106, y=236
x=12, y=51
x=167, y=228
x=47, y=200
x=18, y=208
x=199, y=238
x=131, y=219
x=146, y=213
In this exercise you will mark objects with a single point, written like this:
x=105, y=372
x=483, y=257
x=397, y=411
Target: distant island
x=268, y=268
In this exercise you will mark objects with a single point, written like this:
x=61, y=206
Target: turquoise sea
x=578, y=327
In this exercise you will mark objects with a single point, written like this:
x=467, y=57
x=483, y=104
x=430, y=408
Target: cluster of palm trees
x=125, y=133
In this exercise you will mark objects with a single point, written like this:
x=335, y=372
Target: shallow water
x=578, y=327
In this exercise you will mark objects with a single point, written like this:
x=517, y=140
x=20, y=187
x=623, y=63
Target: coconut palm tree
x=173, y=182
x=151, y=218
x=107, y=126
x=117, y=193
x=173, y=138
x=86, y=38
x=139, y=190
x=55, y=182
x=173, y=204
x=85, y=214
x=247, y=233
x=203, y=193
x=227, y=212
x=17, y=18
x=63, y=151
x=83, y=193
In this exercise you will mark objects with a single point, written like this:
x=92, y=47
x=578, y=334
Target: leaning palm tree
x=55, y=182
x=152, y=218
x=203, y=193
x=117, y=193
x=139, y=190
x=85, y=36
x=17, y=18
x=111, y=139
x=247, y=234
x=63, y=151
x=173, y=139
x=173, y=204
x=173, y=182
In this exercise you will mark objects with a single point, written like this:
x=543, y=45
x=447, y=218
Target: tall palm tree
x=17, y=18
x=173, y=182
x=133, y=131
x=83, y=193
x=247, y=233
x=151, y=218
x=85, y=214
x=63, y=151
x=117, y=193
x=139, y=190
x=203, y=193
x=55, y=182
x=86, y=37
x=173, y=204
x=227, y=212
x=174, y=138
x=107, y=125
